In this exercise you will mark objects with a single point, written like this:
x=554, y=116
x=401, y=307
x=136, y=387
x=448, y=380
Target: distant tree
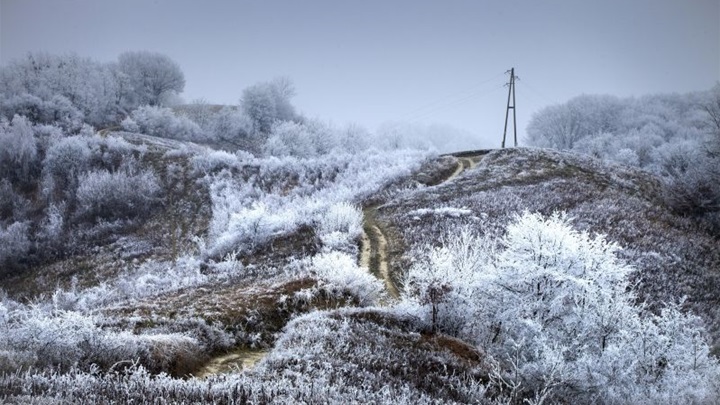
x=60, y=89
x=268, y=102
x=562, y=126
x=152, y=77
x=712, y=107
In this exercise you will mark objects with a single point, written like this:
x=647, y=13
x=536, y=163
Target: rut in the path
x=374, y=251
x=237, y=360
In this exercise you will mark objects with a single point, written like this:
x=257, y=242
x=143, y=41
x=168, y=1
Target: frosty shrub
x=343, y=274
x=443, y=279
x=267, y=102
x=340, y=226
x=229, y=125
x=127, y=193
x=212, y=161
x=44, y=337
x=14, y=244
x=58, y=110
x=65, y=159
x=554, y=307
x=19, y=154
x=273, y=196
x=162, y=122
x=294, y=139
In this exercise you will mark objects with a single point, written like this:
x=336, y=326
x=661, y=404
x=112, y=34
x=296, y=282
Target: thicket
x=555, y=309
x=69, y=90
x=676, y=136
x=57, y=187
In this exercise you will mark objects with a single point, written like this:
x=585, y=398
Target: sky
x=374, y=62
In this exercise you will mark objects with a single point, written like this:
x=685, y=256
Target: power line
x=450, y=98
x=537, y=93
x=444, y=107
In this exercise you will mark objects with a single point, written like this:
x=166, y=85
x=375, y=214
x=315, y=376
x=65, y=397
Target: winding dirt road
x=374, y=246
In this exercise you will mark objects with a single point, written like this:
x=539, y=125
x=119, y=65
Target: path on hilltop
x=375, y=245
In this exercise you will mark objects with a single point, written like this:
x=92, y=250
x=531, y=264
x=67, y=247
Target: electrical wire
x=448, y=99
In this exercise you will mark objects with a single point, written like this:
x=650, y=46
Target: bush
x=555, y=308
x=14, y=245
x=341, y=226
x=127, y=193
x=162, y=122
x=342, y=272
x=65, y=159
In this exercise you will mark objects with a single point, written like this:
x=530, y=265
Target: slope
x=674, y=257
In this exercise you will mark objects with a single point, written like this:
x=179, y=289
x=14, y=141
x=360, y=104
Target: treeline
x=676, y=136
x=69, y=90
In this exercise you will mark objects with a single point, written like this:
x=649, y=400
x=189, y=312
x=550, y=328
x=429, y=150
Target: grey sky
x=370, y=62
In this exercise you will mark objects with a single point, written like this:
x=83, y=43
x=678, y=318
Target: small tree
x=152, y=77
x=268, y=102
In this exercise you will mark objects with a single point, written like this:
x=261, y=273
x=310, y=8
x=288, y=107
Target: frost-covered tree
x=555, y=308
x=562, y=126
x=152, y=77
x=14, y=245
x=268, y=102
x=60, y=89
x=18, y=155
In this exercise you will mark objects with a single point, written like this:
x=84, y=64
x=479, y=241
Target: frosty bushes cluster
x=162, y=122
x=280, y=194
x=72, y=181
x=676, y=136
x=553, y=306
x=68, y=90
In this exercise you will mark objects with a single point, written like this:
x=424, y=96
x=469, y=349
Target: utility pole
x=511, y=94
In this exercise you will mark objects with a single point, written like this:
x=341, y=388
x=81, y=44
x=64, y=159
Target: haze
x=374, y=62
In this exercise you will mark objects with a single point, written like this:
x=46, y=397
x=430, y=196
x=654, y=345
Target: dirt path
x=374, y=252
x=237, y=360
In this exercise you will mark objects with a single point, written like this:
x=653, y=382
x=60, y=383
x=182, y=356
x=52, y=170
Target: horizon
x=378, y=64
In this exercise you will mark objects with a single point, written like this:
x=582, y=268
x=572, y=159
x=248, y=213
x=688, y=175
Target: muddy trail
x=375, y=244
x=237, y=360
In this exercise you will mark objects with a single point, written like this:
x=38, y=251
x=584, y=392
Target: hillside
x=257, y=259
x=674, y=257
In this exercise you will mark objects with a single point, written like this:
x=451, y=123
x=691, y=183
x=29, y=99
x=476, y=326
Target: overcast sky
x=370, y=62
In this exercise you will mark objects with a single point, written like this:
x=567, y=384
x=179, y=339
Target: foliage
x=279, y=195
x=14, y=245
x=342, y=272
x=268, y=102
x=152, y=77
x=554, y=306
x=19, y=154
x=162, y=122
x=672, y=135
x=67, y=90
x=128, y=192
x=340, y=227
